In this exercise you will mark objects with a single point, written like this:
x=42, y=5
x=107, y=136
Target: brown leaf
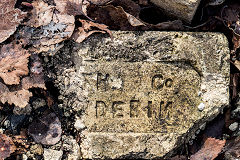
x=128, y=6
x=60, y=29
x=210, y=150
x=133, y=20
x=171, y=25
x=72, y=7
x=230, y=13
x=115, y=17
x=19, y=98
x=33, y=81
x=36, y=78
x=41, y=14
x=57, y=23
x=10, y=18
x=99, y=2
x=230, y=16
x=236, y=40
x=86, y=30
x=237, y=64
x=13, y=63
x=6, y=146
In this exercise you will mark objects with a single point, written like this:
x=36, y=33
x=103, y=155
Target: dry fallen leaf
x=119, y=15
x=230, y=17
x=236, y=39
x=210, y=150
x=99, y=2
x=33, y=81
x=237, y=64
x=112, y=16
x=10, y=18
x=133, y=20
x=19, y=95
x=19, y=98
x=86, y=30
x=128, y=6
x=13, y=63
x=59, y=29
x=6, y=146
x=41, y=14
x=36, y=78
x=72, y=7
x=171, y=25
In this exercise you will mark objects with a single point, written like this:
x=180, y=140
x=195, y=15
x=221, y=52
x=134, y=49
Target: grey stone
x=138, y=95
x=233, y=126
x=79, y=125
x=201, y=106
x=46, y=130
x=38, y=103
x=183, y=9
x=50, y=154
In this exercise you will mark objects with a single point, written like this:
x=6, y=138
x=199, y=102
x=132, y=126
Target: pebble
x=201, y=107
x=24, y=157
x=233, y=126
x=197, y=132
x=46, y=130
x=50, y=154
x=7, y=123
x=79, y=124
x=203, y=126
x=38, y=103
x=36, y=149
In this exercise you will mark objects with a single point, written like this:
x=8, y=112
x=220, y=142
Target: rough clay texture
x=138, y=95
x=183, y=9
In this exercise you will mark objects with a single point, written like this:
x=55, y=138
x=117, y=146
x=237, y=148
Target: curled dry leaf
x=41, y=14
x=10, y=18
x=19, y=98
x=6, y=146
x=86, y=30
x=128, y=5
x=210, y=150
x=133, y=20
x=112, y=16
x=237, y=64
x=13, y=63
